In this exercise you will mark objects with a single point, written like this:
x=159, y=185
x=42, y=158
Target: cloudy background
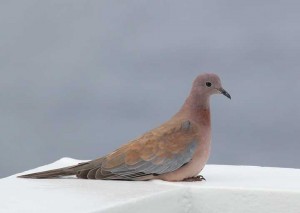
x=80, y=78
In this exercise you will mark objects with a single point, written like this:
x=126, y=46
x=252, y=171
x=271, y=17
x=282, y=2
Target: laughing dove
x=175, y=151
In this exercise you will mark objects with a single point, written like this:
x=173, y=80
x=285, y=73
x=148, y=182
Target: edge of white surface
x=227, y=189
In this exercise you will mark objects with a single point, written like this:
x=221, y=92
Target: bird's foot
x=194, y=179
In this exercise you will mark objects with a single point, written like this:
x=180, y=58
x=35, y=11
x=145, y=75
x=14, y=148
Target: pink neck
x=196, y=108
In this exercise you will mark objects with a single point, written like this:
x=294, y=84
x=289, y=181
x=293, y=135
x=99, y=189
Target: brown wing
x=159, y=151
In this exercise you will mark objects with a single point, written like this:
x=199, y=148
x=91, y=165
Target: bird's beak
x=224, y=92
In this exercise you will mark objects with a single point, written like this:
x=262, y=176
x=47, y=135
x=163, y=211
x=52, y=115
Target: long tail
x=51, y=173
x=66, y=171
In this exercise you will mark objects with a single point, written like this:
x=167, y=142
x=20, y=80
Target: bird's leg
x=194, y=179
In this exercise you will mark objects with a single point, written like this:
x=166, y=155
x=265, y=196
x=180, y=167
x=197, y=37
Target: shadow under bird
x=175, y=151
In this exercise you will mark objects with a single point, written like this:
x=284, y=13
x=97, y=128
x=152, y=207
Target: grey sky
x=79, y=78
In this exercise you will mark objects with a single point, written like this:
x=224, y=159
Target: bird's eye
x=208, y=84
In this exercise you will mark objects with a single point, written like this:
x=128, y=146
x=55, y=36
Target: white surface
x=227, y=189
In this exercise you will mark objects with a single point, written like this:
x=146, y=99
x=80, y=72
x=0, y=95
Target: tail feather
x=51, y=173
x=66, y=171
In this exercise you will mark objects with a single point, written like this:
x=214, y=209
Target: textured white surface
x=231, y=189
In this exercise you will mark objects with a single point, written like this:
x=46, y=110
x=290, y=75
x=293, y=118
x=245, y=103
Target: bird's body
x=175, y=151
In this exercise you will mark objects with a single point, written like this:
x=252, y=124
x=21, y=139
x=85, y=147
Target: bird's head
x=208, y=84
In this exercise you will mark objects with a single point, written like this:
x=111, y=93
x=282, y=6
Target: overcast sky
x=80, y=78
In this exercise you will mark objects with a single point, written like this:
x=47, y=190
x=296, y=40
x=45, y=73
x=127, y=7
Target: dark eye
x=208, y=84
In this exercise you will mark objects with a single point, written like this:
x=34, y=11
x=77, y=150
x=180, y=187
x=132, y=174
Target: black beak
x=224, y=92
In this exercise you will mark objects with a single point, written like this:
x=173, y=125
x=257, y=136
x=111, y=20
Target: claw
x=194, y=179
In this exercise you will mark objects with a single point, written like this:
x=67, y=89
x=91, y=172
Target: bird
x=177, y=150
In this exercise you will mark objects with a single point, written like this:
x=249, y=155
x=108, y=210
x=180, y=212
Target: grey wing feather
x=147, y=167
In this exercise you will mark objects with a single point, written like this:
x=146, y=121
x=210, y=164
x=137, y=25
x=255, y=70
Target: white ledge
x=232, y=189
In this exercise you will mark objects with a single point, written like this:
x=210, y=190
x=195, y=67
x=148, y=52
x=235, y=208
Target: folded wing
x=159, y=151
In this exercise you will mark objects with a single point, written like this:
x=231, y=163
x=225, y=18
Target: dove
x=177, y=150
